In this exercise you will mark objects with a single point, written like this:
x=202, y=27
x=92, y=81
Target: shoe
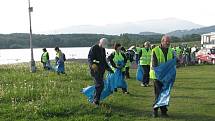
x=155, y=113
x=96, y=103
x=142, y=85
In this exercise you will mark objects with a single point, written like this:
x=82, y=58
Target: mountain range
x=162, y=26
x=203, y=30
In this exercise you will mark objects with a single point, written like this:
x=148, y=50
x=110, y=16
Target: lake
x=12, y=56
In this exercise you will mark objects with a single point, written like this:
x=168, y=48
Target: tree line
x=21, y=40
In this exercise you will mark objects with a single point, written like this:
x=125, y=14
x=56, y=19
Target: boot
x=155, y=113
x=164, y=112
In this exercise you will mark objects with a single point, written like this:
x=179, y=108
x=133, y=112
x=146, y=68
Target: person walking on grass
x=145, y=60
x=60, y=58
x=98, y=65
x=118, y=60
x=45, y=60
x=128, y=64
x=163, y=72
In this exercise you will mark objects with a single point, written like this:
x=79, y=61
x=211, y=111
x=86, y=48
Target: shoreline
x=82, y=61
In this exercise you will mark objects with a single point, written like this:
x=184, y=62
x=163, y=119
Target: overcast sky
x=50, y=15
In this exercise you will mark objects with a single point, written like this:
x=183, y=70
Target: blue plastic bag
x=119, y=80
x=90, y=91
x=165, y=73
x=140, y=73
x=60, y=67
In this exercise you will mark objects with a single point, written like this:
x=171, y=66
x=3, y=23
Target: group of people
x=98, y=64
x=158, y=63
x=186, y=55
x=59, y=61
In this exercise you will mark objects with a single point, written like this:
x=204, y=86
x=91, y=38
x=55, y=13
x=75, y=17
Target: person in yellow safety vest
x=60, y=58
x=145, y=59
x=127, y=67
x=160, y=54
x=128, y=64
x=116, y=57
x=45, y=59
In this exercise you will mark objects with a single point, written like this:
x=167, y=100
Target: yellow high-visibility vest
x=118, y=57
x=145, y=58
x=160, y=58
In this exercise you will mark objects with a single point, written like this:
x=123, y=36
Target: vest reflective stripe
x=145, y=58
x=44, y=57
x=118, y=57
x=160, y=58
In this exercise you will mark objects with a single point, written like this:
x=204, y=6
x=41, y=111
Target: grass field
x=47, y=96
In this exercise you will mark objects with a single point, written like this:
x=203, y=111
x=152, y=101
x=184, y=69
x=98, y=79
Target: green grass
x=47, y=96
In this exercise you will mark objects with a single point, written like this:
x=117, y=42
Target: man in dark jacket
x=98, y=65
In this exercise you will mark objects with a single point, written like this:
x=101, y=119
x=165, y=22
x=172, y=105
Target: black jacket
x=97, y=55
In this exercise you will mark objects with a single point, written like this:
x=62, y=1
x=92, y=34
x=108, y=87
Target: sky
x=49, y=15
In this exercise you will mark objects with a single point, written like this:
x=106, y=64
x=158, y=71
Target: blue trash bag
x=140, y=73
x=119, y=80
x=110, y=81
x=165, y=73
x=90, y=91
x=116, y=79
x=60, y=67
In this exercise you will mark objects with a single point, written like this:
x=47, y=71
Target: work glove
x=94, y=67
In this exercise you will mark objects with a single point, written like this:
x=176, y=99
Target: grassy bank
x=48, y=96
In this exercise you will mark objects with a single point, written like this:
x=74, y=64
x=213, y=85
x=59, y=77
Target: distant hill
x=203, y=30
x=157, y=25
x=149, y=33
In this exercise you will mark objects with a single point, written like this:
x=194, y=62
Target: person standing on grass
x=145, y=60
x=128, y=64
x=60, y=58
x=98, y=65
x=137, y=51
x=163, y=72
x=118, y=60
x=45, y=60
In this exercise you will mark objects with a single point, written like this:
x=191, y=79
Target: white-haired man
x=162, y=55
x=98, y=65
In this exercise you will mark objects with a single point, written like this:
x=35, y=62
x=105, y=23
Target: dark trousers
x=146, y=69
x=157, y=89
x=99, y=83
x=46, y=65
x=123, y=74
x=127, y=75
